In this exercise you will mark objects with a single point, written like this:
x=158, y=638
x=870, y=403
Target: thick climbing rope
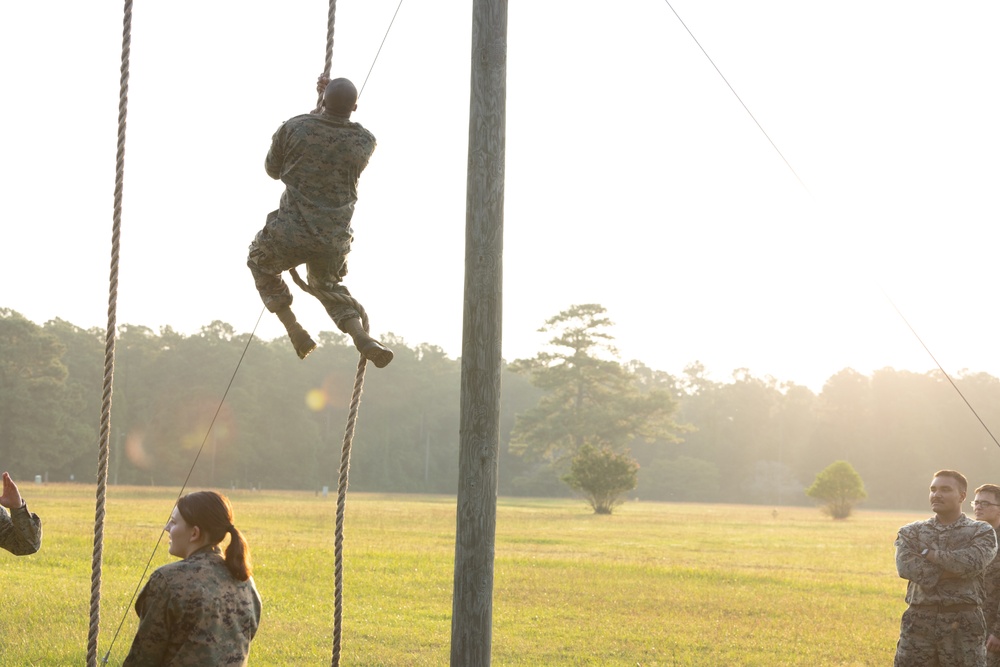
x=352, y=418
x=345, y=462
x=359, y=378
x=110, y=338
x=109, y=349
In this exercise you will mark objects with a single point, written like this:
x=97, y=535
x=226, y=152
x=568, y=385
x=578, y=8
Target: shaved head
x=340, y=97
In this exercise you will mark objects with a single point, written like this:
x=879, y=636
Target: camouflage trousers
x=274, y=251
x=929, y=638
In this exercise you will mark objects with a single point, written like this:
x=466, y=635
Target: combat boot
x=370, y=349
x=301, y=340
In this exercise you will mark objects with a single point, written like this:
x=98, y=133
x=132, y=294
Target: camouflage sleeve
x=150, y=642
x=257, y=608
x=910, y=564
x=992, y=616
x=974, y=557
x=20, y=531
x=276, y=155
x=371, y=150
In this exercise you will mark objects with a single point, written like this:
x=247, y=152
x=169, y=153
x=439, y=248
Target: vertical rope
x=338, y=544
x=109, y=348
x=328, y=63
x=359, y=380
x=345, y=461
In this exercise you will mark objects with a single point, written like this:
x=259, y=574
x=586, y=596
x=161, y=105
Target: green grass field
x=654, y=584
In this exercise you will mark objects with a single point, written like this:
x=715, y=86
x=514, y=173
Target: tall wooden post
x=472, y=602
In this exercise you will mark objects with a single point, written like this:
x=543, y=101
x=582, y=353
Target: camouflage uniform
x=991, y=607
x=319, y=158
x=193, y=613
x=20, y=531
x=944, y=623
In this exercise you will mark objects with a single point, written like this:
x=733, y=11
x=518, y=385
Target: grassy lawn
x=652, y=585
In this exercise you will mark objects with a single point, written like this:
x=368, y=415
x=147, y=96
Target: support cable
x=740, y=99
x=794, y=173
x=941, y=368
x=187, y=479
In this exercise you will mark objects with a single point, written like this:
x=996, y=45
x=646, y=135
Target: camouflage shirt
x=319, y=158
x=991, y=603
x=193, y=613
x=964, y=548
x=20, y=531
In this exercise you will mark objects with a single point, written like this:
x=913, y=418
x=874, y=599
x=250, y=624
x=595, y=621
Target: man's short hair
x=963, y=484
x=990, y=488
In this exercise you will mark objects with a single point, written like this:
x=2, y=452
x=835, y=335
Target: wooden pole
x=472, y=601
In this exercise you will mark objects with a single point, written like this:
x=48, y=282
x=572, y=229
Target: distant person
x=986, y=507
x=319, y=157
x=20, y=531
x=943, y=559
x=205, y=609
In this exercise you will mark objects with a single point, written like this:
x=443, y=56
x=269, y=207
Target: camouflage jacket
x=964, y=549
x=991, y=603
x=319, y=158
x=20, y=531
x=192, y=613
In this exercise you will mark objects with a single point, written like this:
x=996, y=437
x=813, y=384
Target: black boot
x=370, y=349
x=301, y=340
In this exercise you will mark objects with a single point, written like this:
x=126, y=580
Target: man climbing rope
x=319, y=157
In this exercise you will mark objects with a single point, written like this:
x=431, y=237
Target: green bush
x=602, y=475
x=840, y=487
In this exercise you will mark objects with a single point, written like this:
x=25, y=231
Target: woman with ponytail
x=204, y=609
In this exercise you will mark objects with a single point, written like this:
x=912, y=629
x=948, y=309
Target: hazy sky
x=634, y=177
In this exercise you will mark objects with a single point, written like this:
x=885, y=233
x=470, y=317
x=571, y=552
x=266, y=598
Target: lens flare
x=135, y=451
x=316, y=399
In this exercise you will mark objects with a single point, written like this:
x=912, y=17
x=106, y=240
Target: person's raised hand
x=11, y=497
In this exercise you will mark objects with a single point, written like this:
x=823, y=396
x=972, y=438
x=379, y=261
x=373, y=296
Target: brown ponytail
x=212, y=512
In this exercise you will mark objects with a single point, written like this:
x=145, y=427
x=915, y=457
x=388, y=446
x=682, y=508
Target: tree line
x=747, y=440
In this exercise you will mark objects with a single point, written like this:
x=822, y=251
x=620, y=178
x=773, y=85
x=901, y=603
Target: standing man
x=319, y=157
x=987, y=508
x=20, y=531
x=943, y=559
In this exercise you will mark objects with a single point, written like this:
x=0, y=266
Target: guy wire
x=180, y=493
x=740, y=99
x=794, y=173
x=943, y=371
x=384, y=37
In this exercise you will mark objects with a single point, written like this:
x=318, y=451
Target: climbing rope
x=345, y=461
x=328, y=63
x=109, y=349
x=105, y=430
x=359, y=381
x=338, y=542
x=359, y=378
